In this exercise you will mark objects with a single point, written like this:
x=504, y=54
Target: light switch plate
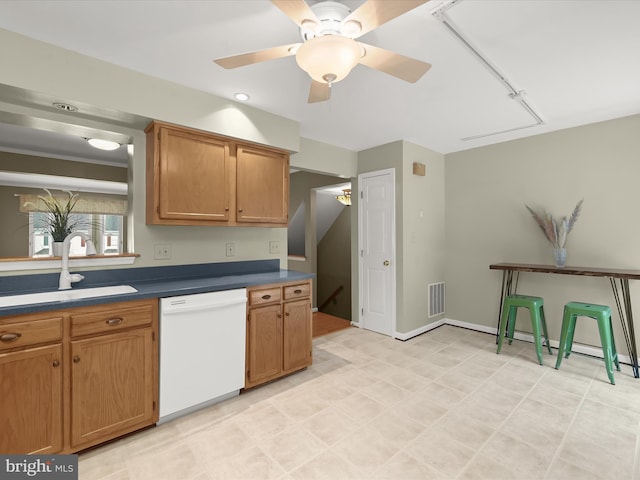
x=231, y=249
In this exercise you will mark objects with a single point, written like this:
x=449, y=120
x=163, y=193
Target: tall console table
x=619, y=280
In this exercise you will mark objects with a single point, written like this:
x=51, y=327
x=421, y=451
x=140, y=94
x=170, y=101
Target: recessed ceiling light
x=243, y=97
x=103, y=144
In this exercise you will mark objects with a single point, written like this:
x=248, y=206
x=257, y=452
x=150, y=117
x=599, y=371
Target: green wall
x=486, y=221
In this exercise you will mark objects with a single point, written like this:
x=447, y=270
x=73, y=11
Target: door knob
x=385, y=263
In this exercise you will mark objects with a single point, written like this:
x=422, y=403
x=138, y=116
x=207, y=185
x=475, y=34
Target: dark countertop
x=150, y=282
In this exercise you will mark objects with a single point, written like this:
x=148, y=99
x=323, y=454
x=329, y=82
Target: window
x=105, y=230
x=99, y=216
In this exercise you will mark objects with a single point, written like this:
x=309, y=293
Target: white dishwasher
x=202, y=350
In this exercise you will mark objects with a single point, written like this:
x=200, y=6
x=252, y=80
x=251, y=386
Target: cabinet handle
x=112, y=322
x=10, y=337
x=297, y=291
x=240, y=210
x=76, y=359
x=287, y=314
x=279, y=315
x=266, y=297
x=56, y=363
x=226, y=209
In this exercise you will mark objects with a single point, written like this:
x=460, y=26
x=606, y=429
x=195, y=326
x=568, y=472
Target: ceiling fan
x=328, y=50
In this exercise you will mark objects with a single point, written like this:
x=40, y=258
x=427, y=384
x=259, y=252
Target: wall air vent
x=436, y=299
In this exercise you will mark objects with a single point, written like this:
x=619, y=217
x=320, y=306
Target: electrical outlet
x=162, y=251
x=231, y=249
x=274, y=247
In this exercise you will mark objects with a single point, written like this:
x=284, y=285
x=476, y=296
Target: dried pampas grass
x=556, y=231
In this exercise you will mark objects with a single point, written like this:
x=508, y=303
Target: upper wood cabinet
x=262, y=186
x=198, y=178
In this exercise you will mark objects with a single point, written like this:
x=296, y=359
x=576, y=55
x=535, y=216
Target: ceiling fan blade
x=296, y=10
x=404, y=68
x=319, y=92
x=374, y=13
x=257, y=57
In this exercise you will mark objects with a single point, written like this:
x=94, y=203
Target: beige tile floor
x=440, y=406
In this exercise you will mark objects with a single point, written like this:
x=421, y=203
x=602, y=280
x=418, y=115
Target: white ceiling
x=577, y=60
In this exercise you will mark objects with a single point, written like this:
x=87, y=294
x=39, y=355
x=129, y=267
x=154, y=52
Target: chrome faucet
x=66, y=278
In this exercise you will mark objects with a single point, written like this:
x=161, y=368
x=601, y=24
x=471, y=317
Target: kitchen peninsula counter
x=150, y=282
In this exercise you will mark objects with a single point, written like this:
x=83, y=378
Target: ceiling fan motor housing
x=330, y=15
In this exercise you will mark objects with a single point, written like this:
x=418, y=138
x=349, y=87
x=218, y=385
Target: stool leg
x=503, y=325
x=572, y=329
x=513, y=314
x=563, y=337
x=613, y=346
x=535, y=326
x=604, y=327
x=544, y=329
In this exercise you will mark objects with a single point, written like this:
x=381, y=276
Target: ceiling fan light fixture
x=345, y=198
x=328, y=56
x=103, y=144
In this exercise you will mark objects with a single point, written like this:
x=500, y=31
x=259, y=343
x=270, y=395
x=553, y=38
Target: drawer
x=110, y=320
x=264, y=296
x=296, y=291
x=21, y=334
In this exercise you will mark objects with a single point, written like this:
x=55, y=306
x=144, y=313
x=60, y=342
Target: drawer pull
x=266, y=297
x=56, y=363
x=76, y=359
x=297, y=291
x=10, y=337
x=112, y=322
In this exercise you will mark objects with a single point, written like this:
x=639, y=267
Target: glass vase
x=560, y=256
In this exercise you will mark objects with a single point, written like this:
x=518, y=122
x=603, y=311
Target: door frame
x=391, y=172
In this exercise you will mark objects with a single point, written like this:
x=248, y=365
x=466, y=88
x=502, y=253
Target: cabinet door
x=297, y=334
x=112, y=385
x=31, y=401
x=264, y=344
x=195, y=175
x=262, y=190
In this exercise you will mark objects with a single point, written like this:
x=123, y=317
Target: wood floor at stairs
x=324, y=324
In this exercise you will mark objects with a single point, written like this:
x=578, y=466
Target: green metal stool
x=536, y=313
x=602, y=314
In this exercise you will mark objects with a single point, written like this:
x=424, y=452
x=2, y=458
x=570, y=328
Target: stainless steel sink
x=64, y=295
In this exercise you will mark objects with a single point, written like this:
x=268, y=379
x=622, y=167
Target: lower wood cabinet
x=279, y=331
x=31, y=400
x=105, y=370
x=71, y=379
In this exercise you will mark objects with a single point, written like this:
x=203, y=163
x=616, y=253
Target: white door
x=376, y=209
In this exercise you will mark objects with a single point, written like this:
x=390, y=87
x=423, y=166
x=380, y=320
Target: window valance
x=87, y=203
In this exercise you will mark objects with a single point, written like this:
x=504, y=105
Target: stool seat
x=602, y=315
x=535, y=305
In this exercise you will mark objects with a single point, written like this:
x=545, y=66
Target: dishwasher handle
x=182, y=306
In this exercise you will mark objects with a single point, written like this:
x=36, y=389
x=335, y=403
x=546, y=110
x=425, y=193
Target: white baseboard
x=527, y=337
x=418, y=331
